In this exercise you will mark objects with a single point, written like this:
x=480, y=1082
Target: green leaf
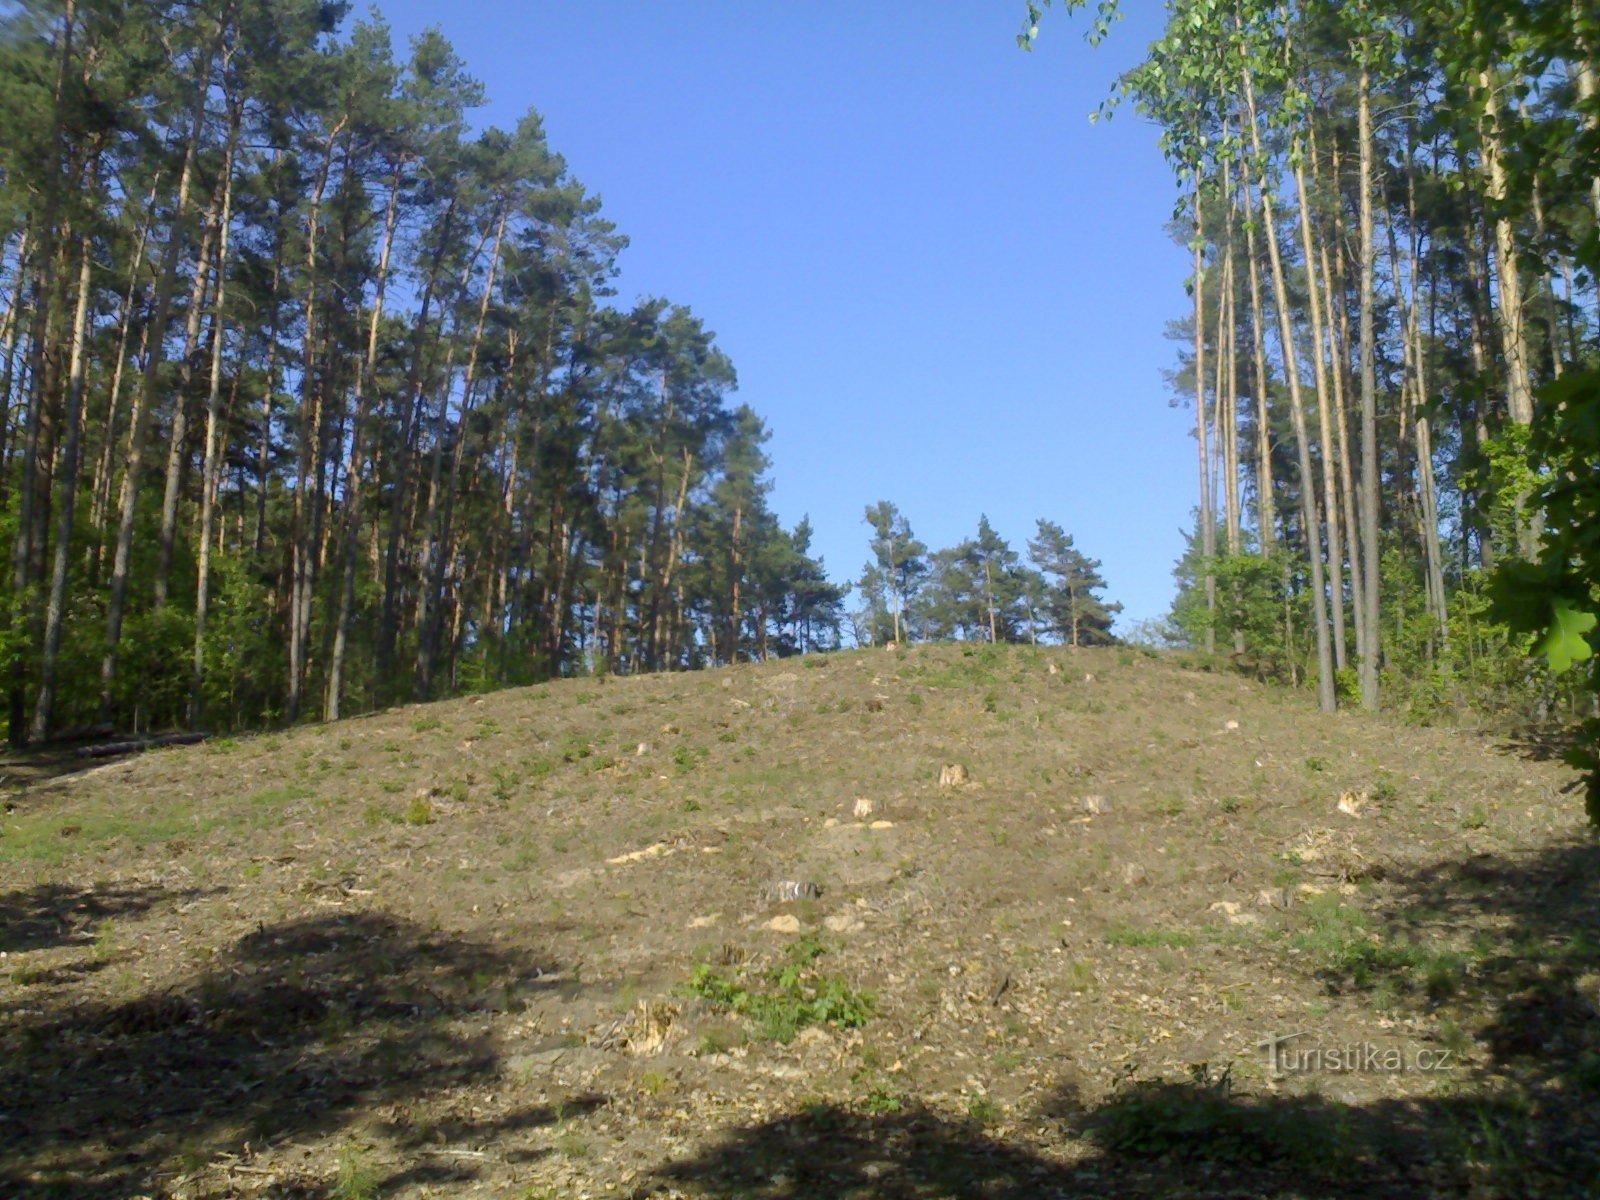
x=1565, y=642
x=1521, y=594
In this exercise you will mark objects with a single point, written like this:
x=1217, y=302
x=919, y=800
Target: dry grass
x=451, y=950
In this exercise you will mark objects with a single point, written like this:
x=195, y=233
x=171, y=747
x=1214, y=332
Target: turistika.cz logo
x=1287, y=1055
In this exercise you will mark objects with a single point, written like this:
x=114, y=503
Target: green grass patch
x=786, y=999
x=1133, y=935
x=1342, y=946
x=972, y=669
x=1202, y=1120
x=58, y=837
x=278, y=797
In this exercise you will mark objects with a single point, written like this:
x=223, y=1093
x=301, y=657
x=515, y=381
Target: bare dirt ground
x=536, y=944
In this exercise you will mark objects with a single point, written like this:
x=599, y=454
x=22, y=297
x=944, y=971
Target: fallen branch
x=111, y=749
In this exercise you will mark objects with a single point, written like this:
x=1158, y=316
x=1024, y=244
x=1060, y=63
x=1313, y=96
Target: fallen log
x=112, y=749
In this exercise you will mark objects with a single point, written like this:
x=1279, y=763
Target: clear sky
x=940, y=284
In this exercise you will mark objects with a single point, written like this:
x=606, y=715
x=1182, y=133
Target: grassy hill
x=725, y=934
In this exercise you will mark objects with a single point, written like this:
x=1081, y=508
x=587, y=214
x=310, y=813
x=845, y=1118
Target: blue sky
x=940, y=284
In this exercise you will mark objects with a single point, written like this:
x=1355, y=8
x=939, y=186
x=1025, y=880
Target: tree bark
x=353, y=465
x=66, y=502
x=1266, y=508
x=1588, y=91
x=1511, y=309
x=1208, y=523
x=1369, y=399
x=100, y=502
x=9, y=366
x=428, y=633
x=1326, y=695
x=50, y=237
x=178, y=436
x=149, y=382
x=211, y=464
x=309, y=454
x=1320, y=343
x=1338, y=370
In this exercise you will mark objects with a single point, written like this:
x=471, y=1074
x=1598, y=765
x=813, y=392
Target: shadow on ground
x=54, y=914
x=295, y=1031
x=1543, y=745
x=1524, y=1123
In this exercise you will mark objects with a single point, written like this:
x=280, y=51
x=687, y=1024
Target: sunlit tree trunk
x=1416, y=354
x=364, y=384
x=1588, y=89
x=100, y=492
x=150, y=381
x=1510, y=310
x=1208, y=524
x=51, y=237
x=8, y=365
x=309, y=452
x=211, y=463
x=1320, y=343
x=428, y=633
x=1338, y=371
x=1369, y=400
x=208, y=269
x=66, y=501
x=1326, y=695
x=1266, y=509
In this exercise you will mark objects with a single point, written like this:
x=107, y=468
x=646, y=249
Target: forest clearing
x=456, y=745
x=531, y=944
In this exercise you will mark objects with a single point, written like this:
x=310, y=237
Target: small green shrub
x=356, y=1178
x=686, y=758
x=786, y=999
x=1203, y=1120
x=880, y=1101
x=983, y=1110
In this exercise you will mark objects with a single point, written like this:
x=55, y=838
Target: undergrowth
x=786, y=999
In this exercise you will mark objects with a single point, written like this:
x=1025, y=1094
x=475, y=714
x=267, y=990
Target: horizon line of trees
x=979, y=589
x=312, y=401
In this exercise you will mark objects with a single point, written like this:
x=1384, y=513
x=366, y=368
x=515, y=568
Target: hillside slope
x=533, y=944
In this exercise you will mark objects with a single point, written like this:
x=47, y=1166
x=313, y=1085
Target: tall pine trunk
x=1369, y=398
x=1327, y=697
x=1208, y=523
x=308, y=459
x=1511, y=309
x=1266, y=509
x=66, y=501
x=353, y=467
x=211, y=464
x=1320, y=343
x=149, y=384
